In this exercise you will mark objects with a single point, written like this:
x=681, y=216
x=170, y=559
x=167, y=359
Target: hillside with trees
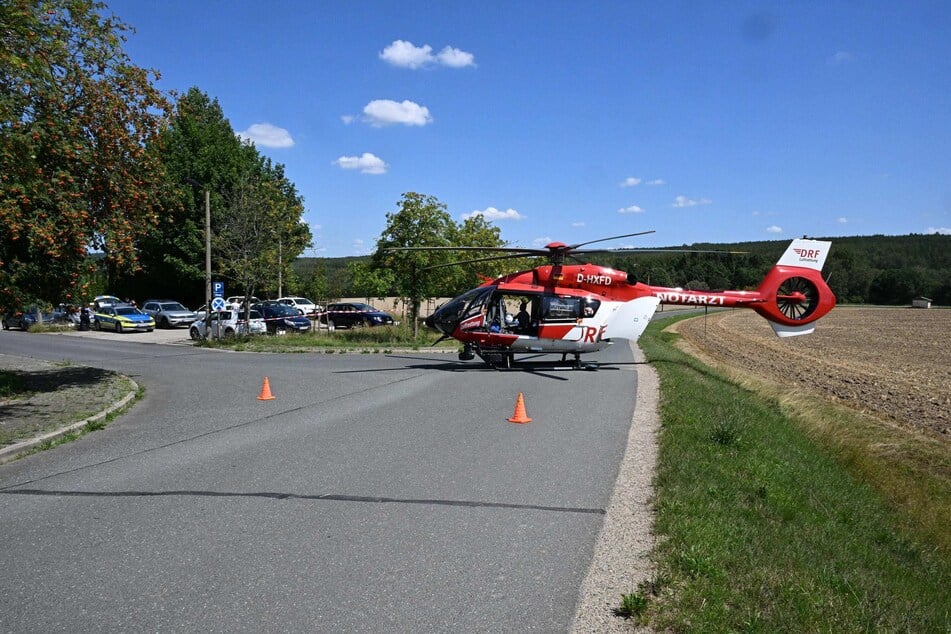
x=886, y=270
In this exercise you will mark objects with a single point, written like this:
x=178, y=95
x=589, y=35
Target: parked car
x=228, y=323
x=105, y=300
x=306, y=307
x=281, y=318
x=354, y=315
x=168, y=313
x=122, y=317
x=66, y=314
x=238, y=300
x=25, y=318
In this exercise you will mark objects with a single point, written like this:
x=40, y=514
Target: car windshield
x=302, y=300
x=173, y=306
x=254, y=315
x=283, y=311
x=127, y=310
x=363, y=308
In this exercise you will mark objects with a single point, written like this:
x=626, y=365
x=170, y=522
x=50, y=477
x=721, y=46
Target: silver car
x=228, y=323
x=168, y=313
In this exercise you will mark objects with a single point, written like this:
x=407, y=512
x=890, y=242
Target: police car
x=122, y=317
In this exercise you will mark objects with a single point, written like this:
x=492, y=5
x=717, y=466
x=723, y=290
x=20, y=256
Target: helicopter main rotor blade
x=523, y=250
x=627, y=235
x=488, y=259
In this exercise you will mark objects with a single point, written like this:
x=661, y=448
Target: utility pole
x=207, y=251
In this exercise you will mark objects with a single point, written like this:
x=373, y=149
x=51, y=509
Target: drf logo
x=808, y=254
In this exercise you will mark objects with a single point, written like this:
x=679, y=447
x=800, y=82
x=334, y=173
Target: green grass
x=762, y=527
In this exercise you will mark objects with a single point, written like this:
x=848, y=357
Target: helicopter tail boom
x=792, y=296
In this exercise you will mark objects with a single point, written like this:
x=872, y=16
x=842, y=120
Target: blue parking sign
x=218, y=289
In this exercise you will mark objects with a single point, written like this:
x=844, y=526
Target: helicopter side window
x=467, y=305
x=591, y=307
x=561, y=308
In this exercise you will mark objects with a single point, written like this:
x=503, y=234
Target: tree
x=370, y=282
x=198, y=146
x=76, y=121
x=422, y=221
x=262, y=220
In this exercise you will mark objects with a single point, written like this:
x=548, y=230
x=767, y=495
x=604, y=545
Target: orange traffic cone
x=520, y=416
x=266, y=391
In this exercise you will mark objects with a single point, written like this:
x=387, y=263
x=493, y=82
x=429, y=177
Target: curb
x=14, y=451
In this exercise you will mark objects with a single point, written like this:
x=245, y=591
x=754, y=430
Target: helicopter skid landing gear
x=466, y=353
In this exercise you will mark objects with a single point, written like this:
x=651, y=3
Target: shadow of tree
x=38, y=381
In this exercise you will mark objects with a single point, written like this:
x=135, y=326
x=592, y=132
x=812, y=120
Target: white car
x=228, y=323
x=306, y=307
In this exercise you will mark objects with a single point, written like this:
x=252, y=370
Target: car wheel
x=194, y=334
x=360, y=323
x=164, y=323
x=118, y=328
x=229, y=332
x=6, y=326
x=97, y=325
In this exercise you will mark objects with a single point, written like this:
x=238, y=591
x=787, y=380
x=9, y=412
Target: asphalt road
x=374, y=493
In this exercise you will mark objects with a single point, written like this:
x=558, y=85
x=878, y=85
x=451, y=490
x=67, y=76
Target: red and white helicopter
x=581, y=308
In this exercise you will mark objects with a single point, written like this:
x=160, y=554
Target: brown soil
x=892, y=362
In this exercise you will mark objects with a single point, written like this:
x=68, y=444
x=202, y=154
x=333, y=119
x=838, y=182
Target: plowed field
x=893, y=362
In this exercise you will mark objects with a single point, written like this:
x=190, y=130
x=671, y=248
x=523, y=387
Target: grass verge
x=368, y=340
x=764, y=526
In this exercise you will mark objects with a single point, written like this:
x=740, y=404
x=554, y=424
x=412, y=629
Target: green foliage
x=423, y=221
x=370, y=282
x=255, y=210
x=76, y=121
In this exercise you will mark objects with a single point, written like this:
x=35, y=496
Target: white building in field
x=921, y=302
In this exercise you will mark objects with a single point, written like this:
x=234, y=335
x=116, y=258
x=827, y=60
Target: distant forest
x=886, y=270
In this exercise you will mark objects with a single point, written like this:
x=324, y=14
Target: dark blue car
x=281, y=318
x=25, y=318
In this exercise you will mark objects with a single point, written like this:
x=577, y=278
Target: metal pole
x=207, y=251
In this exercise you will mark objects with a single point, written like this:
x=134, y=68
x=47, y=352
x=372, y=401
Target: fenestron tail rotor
x=797, y=298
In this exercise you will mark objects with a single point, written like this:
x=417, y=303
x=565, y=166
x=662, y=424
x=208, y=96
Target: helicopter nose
x=441, y=320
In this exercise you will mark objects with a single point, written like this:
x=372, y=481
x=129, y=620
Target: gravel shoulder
x=622, y=556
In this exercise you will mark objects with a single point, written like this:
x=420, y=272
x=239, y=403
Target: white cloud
x=683, y=201
x=945, y=231
x=842, y=220
x=839, y=58
x=491, y=213
x=630, y=181
x=347, y=119
x=633, y=209
x=774, y=229
x=541, y=242
x=407, y=55
x=577, y=225
x=455, y=58
x=656, y=181
x=367, y=163
x=267, y=135
x=360, y=247
x=383, y=112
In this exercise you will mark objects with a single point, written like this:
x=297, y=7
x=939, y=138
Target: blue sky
x=570, y=121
